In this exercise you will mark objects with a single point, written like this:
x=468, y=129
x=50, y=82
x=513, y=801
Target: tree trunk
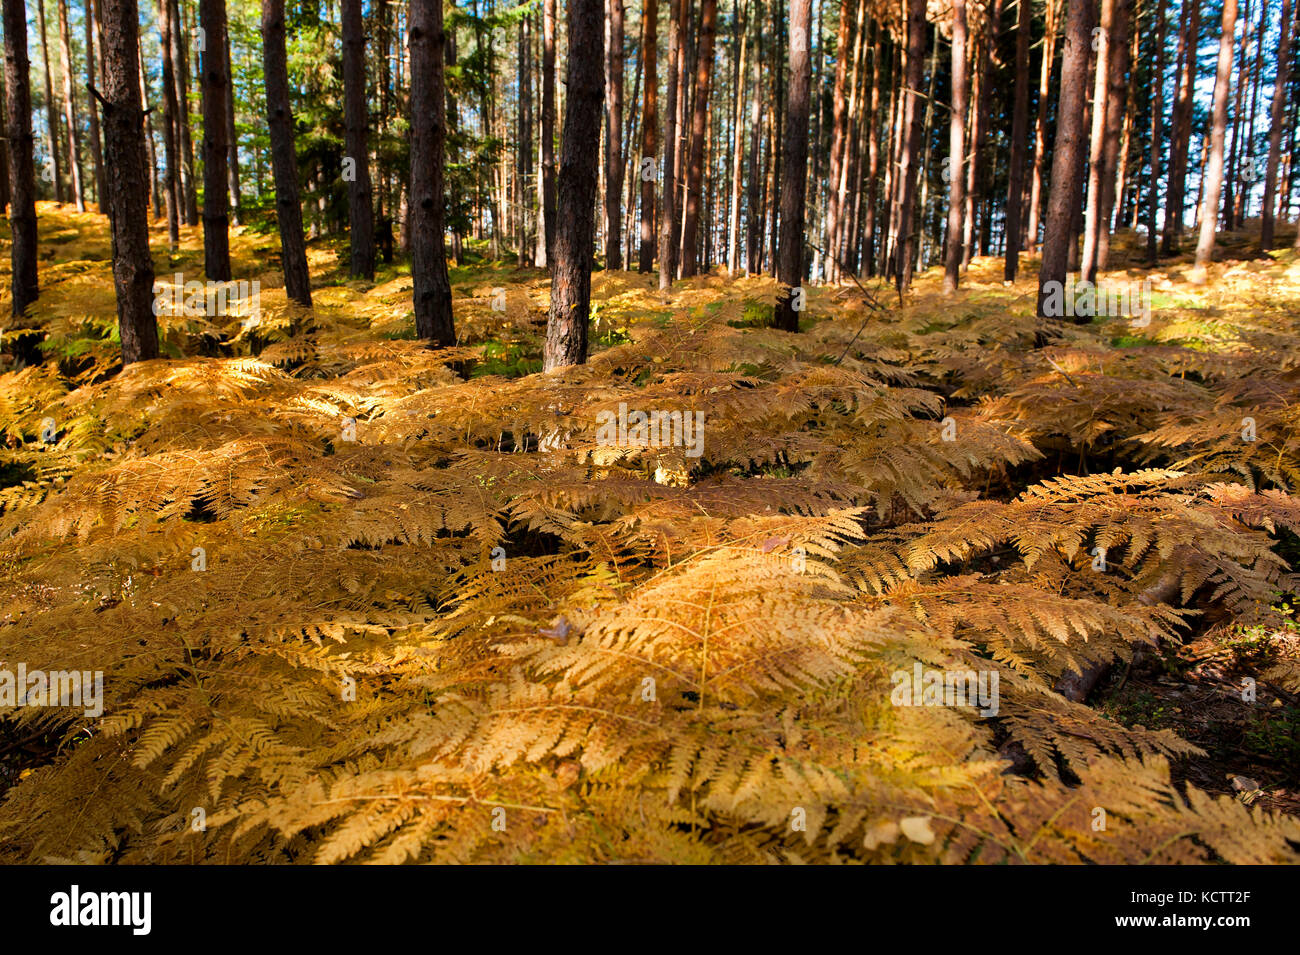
x=566, y=326
x=428, y=105
x=181, y=65
x=668, y=203
x=1214, y=171
x=216, y=201
x=1040, y=127
x=954, y=172
x=70, y=109
x=839, y=139
x=1019, y=144
x=1275, y=128
x=284, y=160
x=51, y=111
x=1103, y=41
x=1175, y=192
x=148, y=132
x=171, y=183
x=794, y=171
x=128, y=182
x=753, y=197
x=22, y=161
x=649, y=131
x=1066, y=151
x=872, y=133
x=361, y=213
x=96, y=142
x=908, y=162
x=699, y=121
x=1116, y=111
x=232, y=143
x=548, y=124
x=524, y=152
x=1230, y=169
x=1157, y=118
x=739, y=78
x=614, y=137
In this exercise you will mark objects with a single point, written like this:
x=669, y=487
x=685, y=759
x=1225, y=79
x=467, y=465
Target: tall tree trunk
x=566, y=326
x=1103, y=41
x=739, y=78
x=955, y=172
x=232, y=143
x=839, y=138
x=1067, y=150
x=92, y=77
x=1157, y=118
x=22, y=161
x=668, y=202
x=128, y=182
x=976, y=173
x=284, y=159
x=361, y=213
x=70, y=109
x=754, y=198
x=171, y=182
x=524, y=153
x=1176, y=190
x=1230, y=169
x=1019, y=143
x=1219, y=123
x=1275, y=128
x=181, y=64
x=51, y=110
x=794, y=171
x=4, y=153
x=699, y=121
x=614, y=137
x=909, y=164
x=148, y=132
x=1040, y=127
x=1116, y=106
x=216, y=200
x=649, y=131
x=548, y=124
x=871, y=128
x=428, y=105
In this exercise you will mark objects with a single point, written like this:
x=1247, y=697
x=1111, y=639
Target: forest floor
x=890, y=486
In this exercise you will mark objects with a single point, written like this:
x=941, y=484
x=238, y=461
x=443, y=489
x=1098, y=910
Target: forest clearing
x=688, y=432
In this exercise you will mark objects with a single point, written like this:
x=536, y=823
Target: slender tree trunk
x=1230, y=169
x=1219, y=123
x=839, y=139
x=871, y=130
x=1066, y=151
x=548, y=125
x=152, y=155
x=524, y=153
x=70, y=109
x=1275, y=129
x=232, y=143
x=794, y=171
x=22, y=161
x=428, y=105
x=4, y=154
x=699, y=121
x=1116, y=96
x=566, y=327
x=92, y=77
x=51, y=110
x=740, y=76
x=649, y=132
x=216, y=201
x=1019, y=144
x=171, y=182
x=975, y=172
x=668, y=203
x=128, y=182
x=1103, y=40
x=754, y=199
x=1176, y=191
x=954, y=171
x=284, y=160
x=180, y=63
x=1157, y=119
x=1040, y=127
x=361, y=214
x=613, y=137
x=909, y=158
